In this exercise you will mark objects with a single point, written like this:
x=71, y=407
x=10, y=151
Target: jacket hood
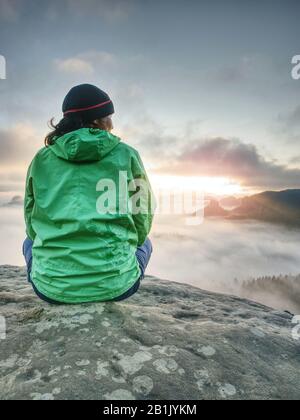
x=85, y=145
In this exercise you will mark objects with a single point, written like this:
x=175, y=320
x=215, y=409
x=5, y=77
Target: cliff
x=169, y=341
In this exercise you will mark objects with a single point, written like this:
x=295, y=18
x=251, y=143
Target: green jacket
x=81, y=253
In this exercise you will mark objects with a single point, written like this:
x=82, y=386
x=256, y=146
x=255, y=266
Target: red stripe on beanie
x=87, y=108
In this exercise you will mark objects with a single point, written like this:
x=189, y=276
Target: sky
x=202, y=89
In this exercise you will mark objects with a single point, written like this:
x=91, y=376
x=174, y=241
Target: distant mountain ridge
x=270, y=206
x=16, y=201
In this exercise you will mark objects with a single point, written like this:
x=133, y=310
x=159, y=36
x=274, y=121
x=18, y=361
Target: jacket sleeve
x=28, y=204
x=143, y=217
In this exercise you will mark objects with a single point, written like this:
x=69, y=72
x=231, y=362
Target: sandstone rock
x=169, y=341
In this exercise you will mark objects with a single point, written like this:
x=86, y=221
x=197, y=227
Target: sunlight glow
x=208, y=185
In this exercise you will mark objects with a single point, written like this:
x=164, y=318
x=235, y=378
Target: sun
x=220, y=186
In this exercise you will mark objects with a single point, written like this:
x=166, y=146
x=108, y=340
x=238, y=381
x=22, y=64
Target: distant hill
x=271, y=206
x=213, y=209
x=16, y=201
x=281, y=292
x=230, y=203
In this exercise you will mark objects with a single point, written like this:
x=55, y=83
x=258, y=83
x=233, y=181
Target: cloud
x=292, y=118
x=228, y=74
x=146, y=134
x=12, y=232
x=74, y=65
x=12, y=180
x=11, y=187
x=167, y=154
x=18, y=145
x=214, y=254
x=110, y=10
x=244, y=69
x=295, y=160
x=234, y=159
x=288, y=125
x=86, y=63
x=10, y=10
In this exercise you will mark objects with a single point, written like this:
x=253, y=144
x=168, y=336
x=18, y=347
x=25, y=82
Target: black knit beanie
x=88, y=103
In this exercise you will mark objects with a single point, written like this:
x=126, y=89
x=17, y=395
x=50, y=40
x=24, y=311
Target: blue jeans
x=143, y=255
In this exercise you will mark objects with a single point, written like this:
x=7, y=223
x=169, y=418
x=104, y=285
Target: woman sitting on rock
x=87, y=231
